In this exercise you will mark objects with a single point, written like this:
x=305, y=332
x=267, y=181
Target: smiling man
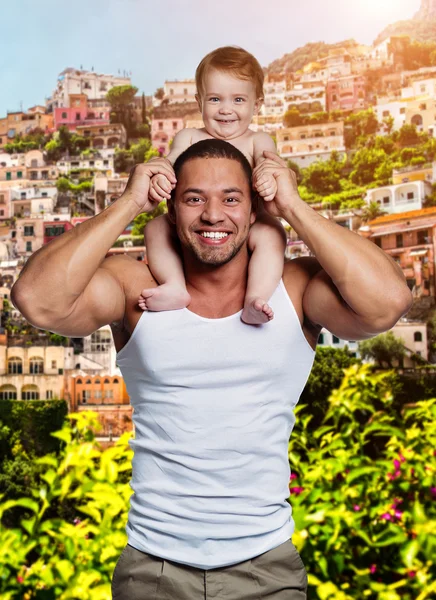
x=213, y=399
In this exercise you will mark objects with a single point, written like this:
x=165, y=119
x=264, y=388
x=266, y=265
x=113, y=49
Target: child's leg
x=267, y=240
x=166, y=267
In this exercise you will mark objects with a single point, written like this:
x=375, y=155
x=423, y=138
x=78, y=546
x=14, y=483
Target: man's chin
x=215, y=257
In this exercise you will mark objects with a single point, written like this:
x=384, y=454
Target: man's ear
x=171, y=211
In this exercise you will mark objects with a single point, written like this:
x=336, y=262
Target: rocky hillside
x=301, y=56
x=421, y=28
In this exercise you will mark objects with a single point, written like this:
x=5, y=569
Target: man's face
x=212, y=209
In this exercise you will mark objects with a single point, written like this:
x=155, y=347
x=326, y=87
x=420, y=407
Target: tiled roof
x=410, y=214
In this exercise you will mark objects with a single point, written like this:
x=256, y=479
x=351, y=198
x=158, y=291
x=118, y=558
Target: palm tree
x=372, y=211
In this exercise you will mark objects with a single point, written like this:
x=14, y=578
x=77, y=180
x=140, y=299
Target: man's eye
x=232, y=200
x=194, y=200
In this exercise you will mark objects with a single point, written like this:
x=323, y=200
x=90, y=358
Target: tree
x=359, y=125
x=372, y=211
x=159, y=93
x=120, y=98
x=365, y=162
x=292, y=118
x=322, y=178
x=408, y=135
x=383, y=348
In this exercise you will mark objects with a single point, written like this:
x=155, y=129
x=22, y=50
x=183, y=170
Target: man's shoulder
x=131, y=274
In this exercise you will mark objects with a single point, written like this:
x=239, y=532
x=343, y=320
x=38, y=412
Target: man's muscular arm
x=360, y=291
x=67, y=286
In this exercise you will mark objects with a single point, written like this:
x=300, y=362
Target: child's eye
x=214, y=99
x=239, y=100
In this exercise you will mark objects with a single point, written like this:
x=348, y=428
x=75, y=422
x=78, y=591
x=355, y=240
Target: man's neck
x=217, y=292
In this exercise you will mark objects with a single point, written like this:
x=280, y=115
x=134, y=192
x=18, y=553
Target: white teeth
x=214, y=234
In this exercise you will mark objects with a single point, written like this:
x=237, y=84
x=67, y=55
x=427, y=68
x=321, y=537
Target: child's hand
x=265, y=186
x=160, y=188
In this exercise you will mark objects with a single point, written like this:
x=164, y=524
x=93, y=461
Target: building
x=422, y=172
x=167, y=120
x=346, y=93
x=80, y=113
x=22, y=123
x=409, y=238
x=400, y=198
x=306, y=144
x=176, y=91
x=306, y=98
x=72, y=82
x=386, y=108
x=422, y=114
x=274, y=98
x=85, y=165
x=104, y=138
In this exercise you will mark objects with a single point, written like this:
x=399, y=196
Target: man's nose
x=212, y=212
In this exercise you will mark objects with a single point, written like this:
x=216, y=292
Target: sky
x=165, y=39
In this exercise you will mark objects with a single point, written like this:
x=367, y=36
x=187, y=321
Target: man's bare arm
x=67, y=286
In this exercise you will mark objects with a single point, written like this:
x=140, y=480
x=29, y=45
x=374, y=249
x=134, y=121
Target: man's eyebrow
x=230, y=190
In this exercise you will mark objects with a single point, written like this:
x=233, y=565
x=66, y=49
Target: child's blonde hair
x=236, y=61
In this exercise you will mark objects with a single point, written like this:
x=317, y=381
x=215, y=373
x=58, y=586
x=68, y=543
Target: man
x=212, y=396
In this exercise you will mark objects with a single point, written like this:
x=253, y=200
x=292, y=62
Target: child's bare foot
x=256, y=312
x=164, y=297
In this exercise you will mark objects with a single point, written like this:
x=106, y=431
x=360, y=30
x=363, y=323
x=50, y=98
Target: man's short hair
x=233, y=60
x=213, y=148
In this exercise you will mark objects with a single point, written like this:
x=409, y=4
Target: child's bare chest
x=243, y=144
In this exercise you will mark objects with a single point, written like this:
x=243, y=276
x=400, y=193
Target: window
x=106, y=381
x=115, y=380
x=402, y=110
x=28, y=246
x=44, y=194
x=160, y=125
x=185, y=91
x=36, y=365
x=91, y=163
x=410, y=195
x=286, y=138
x=23, y=195
x=174, y=124
x=336, y=340
x=422, y=87
x=171, y=92
x=2, y=199
x=77, y=116
x=320, y=338
x=417, y=336
x=49, y=395
x=53, y=364
x=386, y=113
x=423, y=237
x=64, y=115
x=8, y=176
x=86, y=395
x=97, y=394
x=399, y=240
x=28, y=230
x=423, y=106
x=8, y=392
x=15, y=366
x=105, y=163
x=386, y=200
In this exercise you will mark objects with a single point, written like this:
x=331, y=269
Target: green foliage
x=365, y=164
x=408, y=135
x=142, y=219
x=361, y=489
x=121, y=98
x=383, y=348
x=362, y=492
x=358, y=126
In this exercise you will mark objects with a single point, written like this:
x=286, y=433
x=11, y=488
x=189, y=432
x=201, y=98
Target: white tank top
x=213, y=404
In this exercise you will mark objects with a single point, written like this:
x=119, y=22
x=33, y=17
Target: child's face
x=228, y=105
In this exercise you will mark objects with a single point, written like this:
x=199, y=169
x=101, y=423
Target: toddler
x=229, y=92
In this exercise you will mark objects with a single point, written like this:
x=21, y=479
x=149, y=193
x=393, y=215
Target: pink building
x=79, y=113
x=167, y=121
x=5, y=204
x=346, y=93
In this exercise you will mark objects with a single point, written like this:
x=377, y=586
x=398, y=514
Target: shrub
x=362, y=492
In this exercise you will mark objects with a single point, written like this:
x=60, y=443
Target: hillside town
x=358, y=126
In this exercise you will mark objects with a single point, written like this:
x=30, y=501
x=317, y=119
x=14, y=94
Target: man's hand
x=287, y=190
x=138, y=185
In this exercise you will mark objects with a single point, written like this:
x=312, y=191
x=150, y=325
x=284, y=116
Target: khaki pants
x=278, y=574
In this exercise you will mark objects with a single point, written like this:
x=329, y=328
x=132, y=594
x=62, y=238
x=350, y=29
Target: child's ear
x=198, y=99
x=257, y=106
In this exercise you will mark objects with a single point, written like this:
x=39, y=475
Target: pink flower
x=396, y=502
x=356, y=508
x=372, y=569
x=77, y=521
x=20, y=579
x=433, y=491
x=293, y=476
x=296, y=490
x=386, y=517
x=398, y=514
x=411, y=573
x=397, y=464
